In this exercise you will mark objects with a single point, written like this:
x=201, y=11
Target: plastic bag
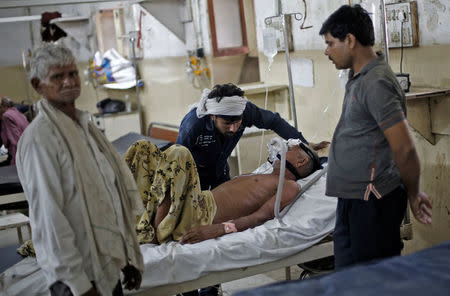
x=112, y=67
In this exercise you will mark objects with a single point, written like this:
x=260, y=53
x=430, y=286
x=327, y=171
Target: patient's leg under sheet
x=171, y=171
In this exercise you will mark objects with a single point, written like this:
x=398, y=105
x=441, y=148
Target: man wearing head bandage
x=212, y=129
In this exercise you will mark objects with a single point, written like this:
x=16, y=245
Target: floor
x=259, y=280
x=9, y=237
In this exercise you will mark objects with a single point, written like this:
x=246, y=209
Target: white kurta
x=59, y=233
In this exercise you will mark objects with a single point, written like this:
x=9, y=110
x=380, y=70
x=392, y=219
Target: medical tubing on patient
x=304, y=188
x=283, y=149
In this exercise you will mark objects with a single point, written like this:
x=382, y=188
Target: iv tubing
x=276, y=209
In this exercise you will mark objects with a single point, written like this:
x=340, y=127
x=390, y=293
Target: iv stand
x=268, y=20
x=132, y=38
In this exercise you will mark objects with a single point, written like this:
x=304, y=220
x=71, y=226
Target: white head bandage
x=231, y=106
x=274, y=148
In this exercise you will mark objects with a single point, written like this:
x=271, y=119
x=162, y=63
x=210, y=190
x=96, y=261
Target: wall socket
x=402, y=23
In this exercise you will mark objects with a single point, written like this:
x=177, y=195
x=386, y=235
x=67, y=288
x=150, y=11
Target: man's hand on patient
x=321, y=145
x=421, y=207
x=201, y=233
x=131, y=277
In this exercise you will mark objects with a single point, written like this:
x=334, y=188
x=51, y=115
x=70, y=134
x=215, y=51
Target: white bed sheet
x=308, y=221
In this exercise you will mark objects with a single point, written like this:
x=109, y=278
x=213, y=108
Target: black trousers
x=61, y=289
x=368, y=230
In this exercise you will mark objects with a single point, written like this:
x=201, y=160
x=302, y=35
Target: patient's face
x=296, y=156
x=61, y=85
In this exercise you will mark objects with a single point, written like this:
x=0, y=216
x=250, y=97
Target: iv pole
x=268, y=20
x=132, y=38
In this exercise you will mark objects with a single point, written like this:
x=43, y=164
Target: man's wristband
x=229, y=227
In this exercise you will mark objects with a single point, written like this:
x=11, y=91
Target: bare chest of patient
x=245, y=193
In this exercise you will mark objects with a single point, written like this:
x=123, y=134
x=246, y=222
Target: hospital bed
x=163, y=131
x=426, y=272
x=11, y=192
x=317, y=251
x=162, y=135
x=173, y=268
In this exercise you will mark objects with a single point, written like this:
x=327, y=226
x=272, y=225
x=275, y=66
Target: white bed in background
x=172, y=268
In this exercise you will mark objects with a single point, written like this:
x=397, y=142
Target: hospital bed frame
x=163, y=131
x=11, y=194
x=321, y=250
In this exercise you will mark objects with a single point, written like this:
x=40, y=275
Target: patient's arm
x=264, y=213
x=200, y=233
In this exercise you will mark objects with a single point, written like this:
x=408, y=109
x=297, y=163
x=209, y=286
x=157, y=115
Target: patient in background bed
x=178, y=210
x=13, y=123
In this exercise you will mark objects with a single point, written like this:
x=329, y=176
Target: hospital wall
x=167, y=94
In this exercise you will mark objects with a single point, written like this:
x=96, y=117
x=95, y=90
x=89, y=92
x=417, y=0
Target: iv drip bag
x=270, y=43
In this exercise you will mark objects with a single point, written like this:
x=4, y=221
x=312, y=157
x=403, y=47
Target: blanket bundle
x=171, y=173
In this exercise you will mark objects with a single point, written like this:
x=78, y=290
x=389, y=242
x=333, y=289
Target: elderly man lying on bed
x=176, y=207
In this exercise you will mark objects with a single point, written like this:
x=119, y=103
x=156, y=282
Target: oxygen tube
x=283, y=149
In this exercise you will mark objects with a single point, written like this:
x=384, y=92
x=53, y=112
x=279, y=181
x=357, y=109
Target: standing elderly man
x=82, y=198
x=373, y=167
x=212, y=130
